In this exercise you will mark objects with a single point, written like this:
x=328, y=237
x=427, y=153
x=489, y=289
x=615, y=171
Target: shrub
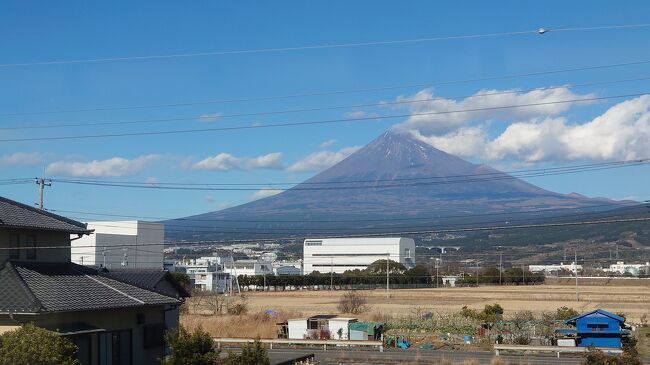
x=238, y=307
x=352, y=302
x=251, y=354
x=30, y=345
x=187, y=348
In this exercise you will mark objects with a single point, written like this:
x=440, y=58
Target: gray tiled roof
x=17, y=215
x=63, y=287
x=146, y=278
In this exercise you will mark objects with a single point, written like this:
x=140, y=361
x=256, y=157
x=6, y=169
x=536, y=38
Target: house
x=598, y=328
x=111, y=318
x=320, y=327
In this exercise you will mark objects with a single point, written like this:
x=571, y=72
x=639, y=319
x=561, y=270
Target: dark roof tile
x=18, y=215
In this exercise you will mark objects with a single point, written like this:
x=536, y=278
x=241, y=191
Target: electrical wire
x=335, y=92
x=318, y=47
x=27, y=126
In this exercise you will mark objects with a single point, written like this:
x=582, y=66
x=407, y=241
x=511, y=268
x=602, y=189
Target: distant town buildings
x=129, y=244
x=554, y=268
x=622, y=268
x=342, y=254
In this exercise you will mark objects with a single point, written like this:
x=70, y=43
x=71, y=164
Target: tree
x=30, y=345
x=563, y=313
x=251, y=354
x=379, y=267
x=187, y=348
x=182, y=278
x=352, y=302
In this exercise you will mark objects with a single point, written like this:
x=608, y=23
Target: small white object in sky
x=542, y=30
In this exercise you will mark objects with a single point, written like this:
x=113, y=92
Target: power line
x=314, y=122
x=357, y=187
x=544, y=170
x=383, y=234
x=534, y=211
x=320, y=46
x=23, y=125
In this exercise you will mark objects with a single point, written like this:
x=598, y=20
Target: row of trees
x=375, y=274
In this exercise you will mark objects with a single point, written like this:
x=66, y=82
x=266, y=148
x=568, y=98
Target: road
x=349, y=356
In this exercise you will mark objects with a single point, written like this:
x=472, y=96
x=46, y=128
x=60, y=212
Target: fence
x=323, y=343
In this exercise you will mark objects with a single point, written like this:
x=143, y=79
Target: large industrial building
x=131, y=244
x=342, y=254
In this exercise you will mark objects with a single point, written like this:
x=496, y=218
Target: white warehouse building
x=132, y=244
x=342, y=254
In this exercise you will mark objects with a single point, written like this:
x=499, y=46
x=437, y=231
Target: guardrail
x=557, y=349
x=282, y=341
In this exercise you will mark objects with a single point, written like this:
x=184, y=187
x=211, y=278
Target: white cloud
x=445, y=122
x=21, y=158
x=209, y=117
x=265, y=193
x=226, y=161
x=621, y=133
x=327, y=143
x=356, y=114
x=321, y=160
x=466, y=142
x=112, y=167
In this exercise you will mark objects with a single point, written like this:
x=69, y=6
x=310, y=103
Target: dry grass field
x=633, y=300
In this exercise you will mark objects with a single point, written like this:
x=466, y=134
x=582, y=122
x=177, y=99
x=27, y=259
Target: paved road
x=349, y=356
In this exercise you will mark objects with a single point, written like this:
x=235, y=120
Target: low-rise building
x=555, y=268
x=248, y=268
x=622, y=268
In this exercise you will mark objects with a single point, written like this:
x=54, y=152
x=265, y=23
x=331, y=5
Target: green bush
x=251, y=354
x=30, y=345
x=564, y=313
x=196, y=348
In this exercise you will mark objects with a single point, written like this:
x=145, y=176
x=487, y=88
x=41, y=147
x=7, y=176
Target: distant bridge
x=443, y=249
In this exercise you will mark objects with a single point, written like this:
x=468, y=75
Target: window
x=313, y=243
x=30, y=243
x=407, y=252
x=115, y=348
x=14, y=244
x=154, y=335
x=597, y=327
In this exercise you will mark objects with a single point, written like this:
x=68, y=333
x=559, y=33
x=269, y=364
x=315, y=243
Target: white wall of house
x=342, y=254
x=340, y=323
x=297, y=328
x=134, y=244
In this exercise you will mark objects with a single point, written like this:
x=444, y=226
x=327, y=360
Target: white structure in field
x=621, y=267
x=342, y=254
x=133, y=244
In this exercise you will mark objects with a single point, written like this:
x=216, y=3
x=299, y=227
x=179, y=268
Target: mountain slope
x=394, y=182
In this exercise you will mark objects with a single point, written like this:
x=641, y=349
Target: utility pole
x=523, y=274
x=476, y=273
x=387, y=274
x=500, y=267
x=616, y=244
x=42, y=183
x=104, y=258
x=437, y=265
x=331, y=273
x=575, y=267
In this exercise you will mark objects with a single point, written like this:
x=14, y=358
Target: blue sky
x=598, y=131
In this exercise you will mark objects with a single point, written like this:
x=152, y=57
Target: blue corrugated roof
x=597, y=311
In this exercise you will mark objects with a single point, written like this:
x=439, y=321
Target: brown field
x=633, y=300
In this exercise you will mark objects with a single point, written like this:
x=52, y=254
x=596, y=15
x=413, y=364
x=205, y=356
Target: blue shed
x=598, y=328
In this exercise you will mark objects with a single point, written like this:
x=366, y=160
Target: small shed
x=365, y=331
x=297, y=328
x=598, y=328
x=342, y=324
